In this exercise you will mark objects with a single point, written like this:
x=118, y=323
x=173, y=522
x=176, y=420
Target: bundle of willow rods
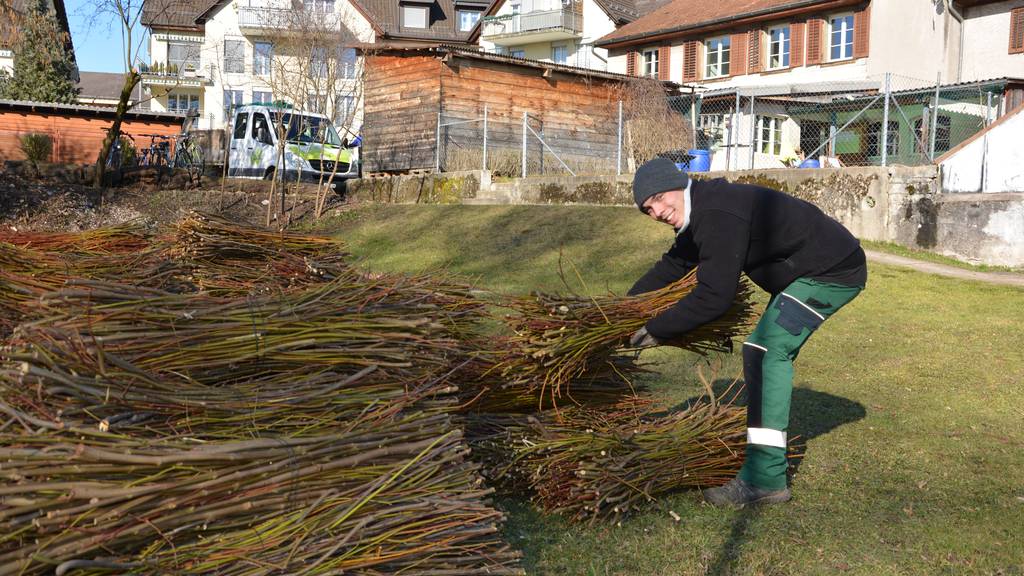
x=559, y=339
x=120, y=239
x=395, y=498
x=601, y=464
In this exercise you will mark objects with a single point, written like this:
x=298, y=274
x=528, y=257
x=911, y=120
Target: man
x=809, y=263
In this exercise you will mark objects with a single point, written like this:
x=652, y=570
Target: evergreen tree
x=43, y=68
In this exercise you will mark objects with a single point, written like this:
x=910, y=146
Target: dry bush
x=652, y=127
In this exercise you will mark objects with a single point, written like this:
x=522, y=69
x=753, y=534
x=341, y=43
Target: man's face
x=666, y=207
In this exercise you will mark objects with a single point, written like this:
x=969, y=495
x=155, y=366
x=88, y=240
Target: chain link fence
x=880, y=121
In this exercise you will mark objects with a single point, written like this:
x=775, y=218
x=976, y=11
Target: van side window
x=241, y=123
x=261, y=129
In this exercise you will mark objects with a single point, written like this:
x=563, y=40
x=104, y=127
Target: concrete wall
x=896, y=204
x=987, y=41
x=992, y=162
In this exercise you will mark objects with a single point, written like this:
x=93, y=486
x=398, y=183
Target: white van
x=312, y=146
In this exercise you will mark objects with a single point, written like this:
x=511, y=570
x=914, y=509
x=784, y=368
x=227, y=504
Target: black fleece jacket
x=735, y=228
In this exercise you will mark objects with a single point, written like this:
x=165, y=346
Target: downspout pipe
x=960, y=51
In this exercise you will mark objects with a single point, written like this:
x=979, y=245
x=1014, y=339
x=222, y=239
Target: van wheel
x=269, y=174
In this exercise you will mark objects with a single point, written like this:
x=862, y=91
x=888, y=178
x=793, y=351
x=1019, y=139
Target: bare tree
x=126, y=15
x=315, y=69
x=652, y=126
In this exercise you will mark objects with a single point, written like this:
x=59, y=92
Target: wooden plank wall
x=76, y=139
x=404, y=93
x=401, y=97
x=578, y=115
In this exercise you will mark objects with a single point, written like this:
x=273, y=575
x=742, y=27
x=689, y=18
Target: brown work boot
x=737, y=494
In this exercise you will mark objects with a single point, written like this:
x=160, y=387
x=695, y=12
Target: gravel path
x=1005, y=278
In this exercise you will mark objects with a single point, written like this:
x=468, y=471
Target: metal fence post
x=524, y=145
x=618, y=144
x=734, y=134
x=935, y=118
x=753, y=131
x=885, y=121
x=485, y=137
x=437, y=145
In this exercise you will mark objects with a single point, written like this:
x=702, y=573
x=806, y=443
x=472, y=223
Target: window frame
x=649, y=63
x=724, y=67
x=892, y=145
x=785, y=47
x=943, y=134
x=240, y=58
x=192, y=58
x=256, y=59
x=517, y=53
x=405, y=8
x=554, y=53
x=851, y=31
x=461, y=12
x=230, y=103
x=270, y=97
x=773, y=145
x=318, y=65
x=712, y=127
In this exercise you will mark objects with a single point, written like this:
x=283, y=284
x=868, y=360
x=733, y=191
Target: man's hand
x=641, y=339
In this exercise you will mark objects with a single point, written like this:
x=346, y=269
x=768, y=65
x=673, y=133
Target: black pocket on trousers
x=794, y=316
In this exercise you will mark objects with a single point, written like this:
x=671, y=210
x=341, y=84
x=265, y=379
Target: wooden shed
x=425, y=106
x=77, y=131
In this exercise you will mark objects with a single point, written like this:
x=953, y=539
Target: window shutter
x=1017, y=31
x=738, y=55
x=631, y=63
x=664, y=66
x=690, y=50
x=814, y=34
x=754, y=51
x=796, y=46
x=861, y=32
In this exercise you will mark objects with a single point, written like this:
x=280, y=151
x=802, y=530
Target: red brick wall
x=76, y=139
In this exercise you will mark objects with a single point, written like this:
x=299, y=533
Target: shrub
x=37, y=147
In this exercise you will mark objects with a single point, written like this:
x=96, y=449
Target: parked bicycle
x=120, y=155
x=158, y=153
x=188, y=155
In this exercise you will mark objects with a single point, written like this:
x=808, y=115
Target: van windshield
x=306, y=129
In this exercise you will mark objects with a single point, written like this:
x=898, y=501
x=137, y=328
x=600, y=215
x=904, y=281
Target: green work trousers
x=768, y=354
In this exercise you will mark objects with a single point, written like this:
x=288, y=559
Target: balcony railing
x=259, y=18
x=530, y=22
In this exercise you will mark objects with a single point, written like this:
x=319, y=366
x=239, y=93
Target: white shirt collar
x=687, y=207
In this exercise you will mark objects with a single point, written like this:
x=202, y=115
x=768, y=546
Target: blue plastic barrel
x=701, y=161
x=810, y=163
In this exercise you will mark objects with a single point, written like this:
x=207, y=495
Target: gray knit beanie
x=656, y=176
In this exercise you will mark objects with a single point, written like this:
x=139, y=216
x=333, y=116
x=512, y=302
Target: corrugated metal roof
x=86, y=110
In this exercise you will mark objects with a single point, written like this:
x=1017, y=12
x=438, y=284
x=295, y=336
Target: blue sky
x=97, y=38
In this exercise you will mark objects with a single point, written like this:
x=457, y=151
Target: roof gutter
x=960, y=51
x=758, y=15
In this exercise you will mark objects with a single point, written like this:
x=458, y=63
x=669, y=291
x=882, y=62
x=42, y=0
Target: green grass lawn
x=910, y=401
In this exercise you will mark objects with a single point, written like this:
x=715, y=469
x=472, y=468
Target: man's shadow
x=812, y=413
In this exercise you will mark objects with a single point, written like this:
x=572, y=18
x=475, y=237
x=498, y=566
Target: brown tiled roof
x=443, y=25
x=179, y=14
x=680, y=15
x=620, y=11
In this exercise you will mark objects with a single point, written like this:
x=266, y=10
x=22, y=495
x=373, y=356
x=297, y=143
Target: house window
x=874, y=139
x=942, y=135
x=769, y=135
x=182, y=102
x=468, y=19
x=778, y=48
x=414, y=16
x=234, y=56
x=650, y=63
x=261, y=56
x=717, y=60
x=232, y=98
x=321, y=6
x=560, y=54
x=261, y=97
x=318, y=62
x=840, y=29
x=517, y=53
x=347, y=63
x=343, y=109
x=184, y=55
x=710, y=131
x=316, y=103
